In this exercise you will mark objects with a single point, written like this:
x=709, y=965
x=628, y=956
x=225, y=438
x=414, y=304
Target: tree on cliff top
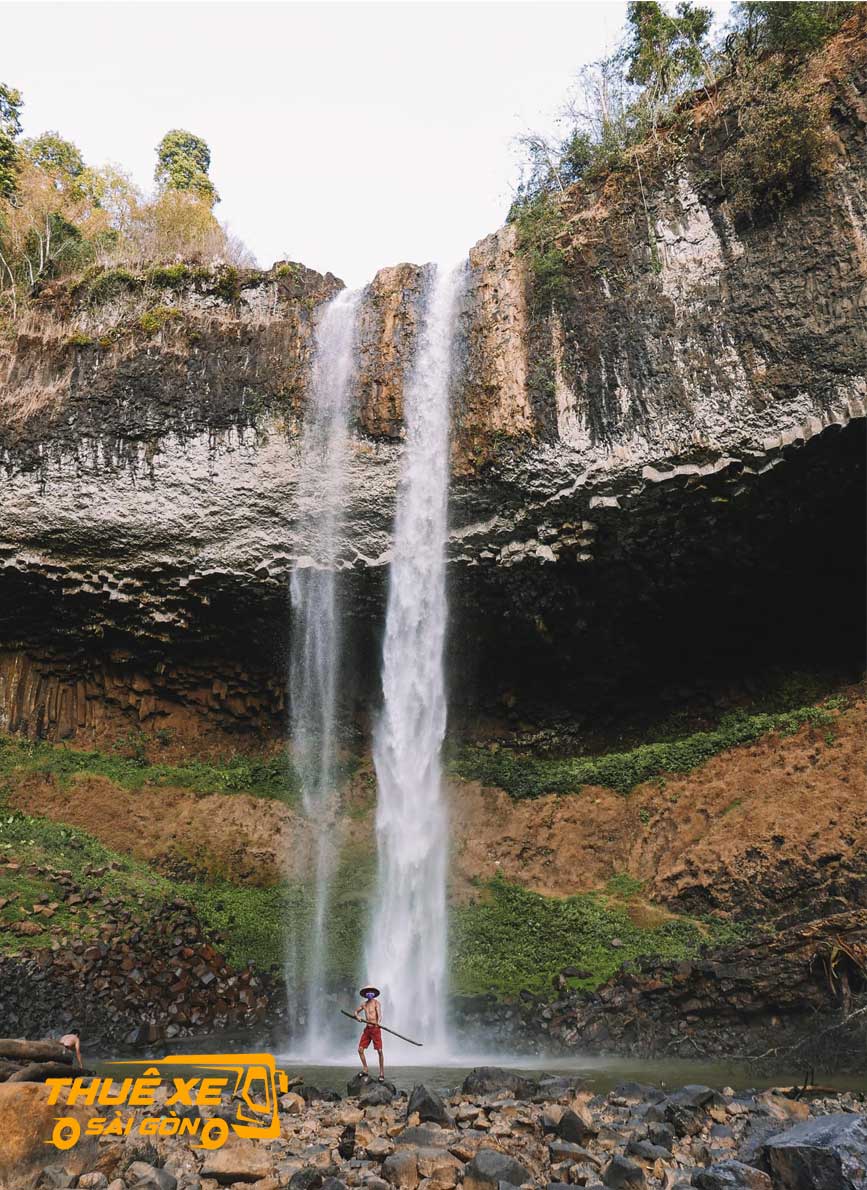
x=183, y=161
x=10, y=129
x=665, y=52
x=55, y=155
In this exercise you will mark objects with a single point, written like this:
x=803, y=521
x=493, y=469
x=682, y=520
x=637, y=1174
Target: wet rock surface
x=496, y=1141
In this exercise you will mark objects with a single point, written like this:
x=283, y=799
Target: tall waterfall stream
x=406, y=947
x=314, y=666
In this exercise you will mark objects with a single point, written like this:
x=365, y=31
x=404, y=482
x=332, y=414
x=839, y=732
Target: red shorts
x=371, y=1033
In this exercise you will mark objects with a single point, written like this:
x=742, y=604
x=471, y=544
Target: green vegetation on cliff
x=506, y=940
x=511, y=939
x=750, y=116
x=271, y=777
x=525, y=776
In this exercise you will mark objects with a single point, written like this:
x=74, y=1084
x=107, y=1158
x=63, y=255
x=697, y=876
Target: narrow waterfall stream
x=406, y=947
x=315, y=634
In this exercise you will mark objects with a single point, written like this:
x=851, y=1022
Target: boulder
x=308, y=1178
x=440, y=1166
x=567, y=1150
x=237, y=1161
x=646, y=1150
x=430, y=1107
x=379, y=1148
x=377, y=1094
x=731, y=1175
x=155, y=1179
x=488, y=1080
x=490, y=1167
x=430, y=1135
x=401, y=1169
x=828, y=1153
x=622, y=1174
x=26, y=1125
x=576, y=1125
x=93, y=1181
x=55, y=1177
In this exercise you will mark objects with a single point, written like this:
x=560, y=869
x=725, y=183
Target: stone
x=429, y=1106
x=377, y=1094
x=439, y=1166
x=827, y=1153
x=567, y=1150
x=26, y=1124
x=622, y=1174
x=551, y=1116
x=488, y=1080
x=237, y=1161
x=292, y=1104
x=731, y=1175
x=55, y=1177
x=430, y=1135
x=576, y=1125
x=93, y=1181
x=490, y=1167
x=306, y=1178
x=379, y=1148
x=143, y=1176
x=401, y=1169
x=645, y=1150
x=333, y=1184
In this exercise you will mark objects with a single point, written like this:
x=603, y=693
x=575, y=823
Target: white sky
x=345, y=135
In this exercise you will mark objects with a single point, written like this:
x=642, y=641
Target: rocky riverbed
x=498, y=1130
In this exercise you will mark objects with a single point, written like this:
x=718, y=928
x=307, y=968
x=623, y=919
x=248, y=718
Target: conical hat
x=369, y=987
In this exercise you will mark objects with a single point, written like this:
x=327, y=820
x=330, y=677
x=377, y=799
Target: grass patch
x=153, y=321
x=270, y=777
x=524, y=776
x=512, y=939
x=38, y=847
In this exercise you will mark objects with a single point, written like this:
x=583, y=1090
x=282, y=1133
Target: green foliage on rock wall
x=525, y=776
x=512, y=939
x=260, y=776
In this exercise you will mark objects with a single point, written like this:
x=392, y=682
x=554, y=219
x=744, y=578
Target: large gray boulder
x=430, y=1107
x=489, y=1080
x=490, y=1167
x=828, y=1153
x=731, y=1175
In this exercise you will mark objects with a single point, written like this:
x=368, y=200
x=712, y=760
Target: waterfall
x=406, y=947
x=315, y=629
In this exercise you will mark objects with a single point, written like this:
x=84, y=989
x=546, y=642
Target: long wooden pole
x=393, y=1032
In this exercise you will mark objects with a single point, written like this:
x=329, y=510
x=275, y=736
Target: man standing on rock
x=372, y=1010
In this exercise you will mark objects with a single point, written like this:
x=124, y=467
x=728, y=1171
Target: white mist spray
x=315, y=634
x=406, y=949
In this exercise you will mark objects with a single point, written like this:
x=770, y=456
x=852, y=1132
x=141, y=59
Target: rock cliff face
x=659, y=479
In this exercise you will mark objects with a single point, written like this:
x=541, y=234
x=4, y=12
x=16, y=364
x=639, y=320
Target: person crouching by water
x=372, y=1010
x=72, y=1042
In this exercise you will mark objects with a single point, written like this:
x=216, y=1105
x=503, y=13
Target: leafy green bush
x=153, y=321
x=782, y=143
x=526, y=776
x=538, y=222
x=111, y=284
x=171, y=276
